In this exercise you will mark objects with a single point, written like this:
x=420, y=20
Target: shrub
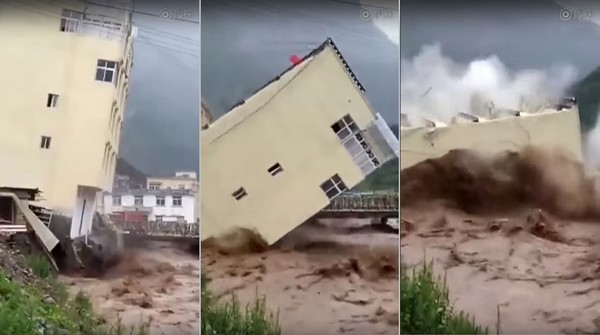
x=224, y=318
x=45, y=307
x=425, y=306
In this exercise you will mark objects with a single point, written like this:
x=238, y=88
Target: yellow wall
x=288, y=122
x=547, y=128
x=37, y=59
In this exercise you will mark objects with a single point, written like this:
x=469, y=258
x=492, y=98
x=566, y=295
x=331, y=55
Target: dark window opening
x=45, y=143
x=106, y=70
x=239, y=194
x=345, y=127
x=52, y=100
x=334, y=186
x=275, y=169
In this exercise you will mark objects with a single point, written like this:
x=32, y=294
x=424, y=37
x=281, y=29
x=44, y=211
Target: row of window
x=332, y=187
x=348, y=133
x=139, y=201
x=274, y=170
x=156, y=186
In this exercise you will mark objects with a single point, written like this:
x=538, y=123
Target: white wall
x=168, y=211
x=83, y=216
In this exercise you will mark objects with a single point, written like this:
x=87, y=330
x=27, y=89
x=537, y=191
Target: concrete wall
x=38, y=59
x=168, y=211
x=550, y=127
x=287, y=122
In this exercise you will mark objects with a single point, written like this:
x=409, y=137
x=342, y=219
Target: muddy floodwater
x=159, y=283
x=326, y=277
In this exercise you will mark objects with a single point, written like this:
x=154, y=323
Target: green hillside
x=587, y=92
x=386, y=178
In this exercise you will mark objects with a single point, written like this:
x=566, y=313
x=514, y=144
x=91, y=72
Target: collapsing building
x=60, y=125
x=279, y=157
x=500, y=130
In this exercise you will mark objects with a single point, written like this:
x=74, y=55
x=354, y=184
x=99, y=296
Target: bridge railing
x=160, y=228
x=345, y=203
x=364, y=202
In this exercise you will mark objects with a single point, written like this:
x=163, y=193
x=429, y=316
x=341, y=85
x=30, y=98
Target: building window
x=52, y=100
x=181, y=187
x=333, y=187
x=275, y=169
x=70, y=21
x=239, y=194
x=45, y=144
x=116, y=201
x=160, y=201
x=344, y=127
x=154, y=186
x=176, y=201
x=106, y=70
x=138, y=200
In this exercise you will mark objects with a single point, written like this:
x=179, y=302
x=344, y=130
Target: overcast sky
x=161, y=128
x=246, y=43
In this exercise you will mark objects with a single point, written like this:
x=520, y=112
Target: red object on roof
x=295, y=60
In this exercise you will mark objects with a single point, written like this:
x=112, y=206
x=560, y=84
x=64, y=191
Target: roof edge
x=328, y=42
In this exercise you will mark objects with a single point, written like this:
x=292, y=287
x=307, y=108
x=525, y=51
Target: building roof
x=265, y=93
x=314, y=52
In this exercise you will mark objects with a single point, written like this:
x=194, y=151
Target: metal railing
x=364, y=202
x=369, y=204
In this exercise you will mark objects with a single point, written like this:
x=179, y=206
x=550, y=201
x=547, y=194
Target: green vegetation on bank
x=425, y=306
x=43, y=306
x=386, y=178
x=224, y=318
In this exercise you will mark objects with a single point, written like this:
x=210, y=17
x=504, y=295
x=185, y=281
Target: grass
x=45, y=307
x=228, y=318
x=425, y=306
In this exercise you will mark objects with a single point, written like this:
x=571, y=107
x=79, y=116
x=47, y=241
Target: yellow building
x=558, y=128
x=280, y=156
x=65, y=69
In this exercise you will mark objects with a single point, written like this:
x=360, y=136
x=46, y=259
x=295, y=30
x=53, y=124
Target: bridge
x=375, y=205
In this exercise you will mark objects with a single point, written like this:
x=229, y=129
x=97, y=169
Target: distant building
x=63, y=92
x=279, y=157
x=151, y=205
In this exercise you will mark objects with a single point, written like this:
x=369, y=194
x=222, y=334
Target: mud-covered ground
x=517, y=236
x=326, y=277
x=159, y=282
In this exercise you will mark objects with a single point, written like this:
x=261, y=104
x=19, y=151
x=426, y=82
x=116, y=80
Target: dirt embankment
x=321, y=278
x=520, y=229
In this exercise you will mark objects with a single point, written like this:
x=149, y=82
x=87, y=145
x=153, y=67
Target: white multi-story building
x=167, y=205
